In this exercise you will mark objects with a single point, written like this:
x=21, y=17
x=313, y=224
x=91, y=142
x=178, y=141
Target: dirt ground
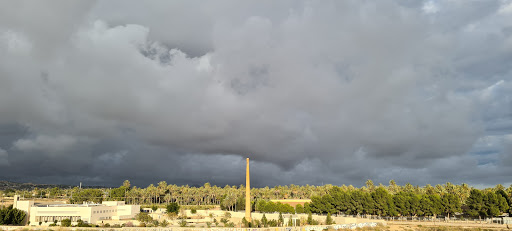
x=401, y=226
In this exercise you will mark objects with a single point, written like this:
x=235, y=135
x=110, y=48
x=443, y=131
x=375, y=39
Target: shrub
x=329, y=220
x=81, y=223
x=299, y=208
x=290, y=221
x=256, y=223
x=272, y=223
x=245, y=223
x=264, y=221
x=143, y=217
x=11, y=216
x=183, y=223
x=224, y=221
x=65, y=223
x=193, y=211
x=173, y=208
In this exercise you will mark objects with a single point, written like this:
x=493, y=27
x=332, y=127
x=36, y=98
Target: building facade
x=87, y=212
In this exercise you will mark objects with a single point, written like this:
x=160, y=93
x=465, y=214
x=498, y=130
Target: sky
x=313, y=92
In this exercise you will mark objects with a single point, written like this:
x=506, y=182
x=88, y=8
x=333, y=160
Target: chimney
x=15, y=202
x=247, y=193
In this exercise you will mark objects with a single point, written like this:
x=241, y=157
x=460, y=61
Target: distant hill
x=29, y=186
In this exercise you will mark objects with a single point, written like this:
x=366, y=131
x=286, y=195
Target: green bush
x=164, y=223
x=329, y=220
x=143, y=217
x=299, y=208
x=65, y=223
x=173, y=208
x=11, y=216
x=81, y=223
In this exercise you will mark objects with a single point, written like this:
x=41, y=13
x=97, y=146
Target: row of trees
x=480, y=203
x=233, y=197
x=270, y=207
x=163, y=193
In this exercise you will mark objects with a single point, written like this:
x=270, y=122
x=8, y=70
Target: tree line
x=442, y=199
x=480, y=203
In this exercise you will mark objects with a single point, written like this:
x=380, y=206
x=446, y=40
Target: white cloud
x=48, y=144
x=430, y=7
x=291, y=84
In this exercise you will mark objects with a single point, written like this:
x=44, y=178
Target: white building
x=90, y=213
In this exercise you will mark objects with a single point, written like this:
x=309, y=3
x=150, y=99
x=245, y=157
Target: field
x=430, y=226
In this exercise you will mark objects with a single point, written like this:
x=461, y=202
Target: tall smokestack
x=247, y=193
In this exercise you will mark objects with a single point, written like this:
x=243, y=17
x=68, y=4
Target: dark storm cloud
x=313, y=92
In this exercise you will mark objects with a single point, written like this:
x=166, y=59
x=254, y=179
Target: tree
x=299, y=209
x=451, y=204
x=383, y=202
x=126, y=184
x=475, y=203
x=280, y=219
x=86, y=195
x=290, y=221
x=502, y=203
x=370, y=185
x=11, y=216
x=173, y=208
x=329, y=220
x=260, y=205
x=65, y=223
x=401, y=201
x=54, y=192
x=143, y=217
x=310, y=218
x=491, y=203
x=264, y=221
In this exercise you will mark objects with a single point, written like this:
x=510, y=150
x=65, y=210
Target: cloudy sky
x=314, y=92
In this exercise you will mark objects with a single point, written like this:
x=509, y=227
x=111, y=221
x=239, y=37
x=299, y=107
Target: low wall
x=305, y=228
